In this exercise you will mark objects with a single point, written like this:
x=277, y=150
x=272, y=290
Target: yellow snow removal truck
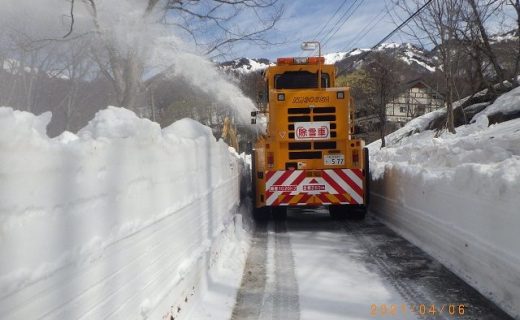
x=307, y=155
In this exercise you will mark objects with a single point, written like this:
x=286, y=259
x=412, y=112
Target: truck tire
x=338, y=212
x=261, y=214
x=279, y=213
x=367, y=176
x=357, y=212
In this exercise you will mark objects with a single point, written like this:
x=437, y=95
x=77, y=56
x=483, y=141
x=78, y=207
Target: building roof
x=419, y=83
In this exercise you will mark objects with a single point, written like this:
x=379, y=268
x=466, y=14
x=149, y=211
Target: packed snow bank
x=507, y=103
x=457, y=197
x=122, y=220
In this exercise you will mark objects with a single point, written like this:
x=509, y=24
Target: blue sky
x=304, y=19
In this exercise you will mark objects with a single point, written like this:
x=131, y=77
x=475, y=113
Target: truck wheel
x=261, y=214
x=338, y=212
x=279, y=213
x=357, y=212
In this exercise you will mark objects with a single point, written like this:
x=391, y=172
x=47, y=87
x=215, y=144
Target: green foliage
x=360, y=82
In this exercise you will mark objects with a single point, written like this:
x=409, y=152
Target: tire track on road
x=269, y=289
x=250, y=297
x=387, y=269
x=286, y=299
x=419, y=278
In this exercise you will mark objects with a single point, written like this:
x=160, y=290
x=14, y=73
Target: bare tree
x=218, y=16
x=125, y=68
x=473, y=38
x=439, y=21
x=480, y=12
x=382, y=69
x=373, y=86
x=75, y=68
x=29, y=62
x=516, y=5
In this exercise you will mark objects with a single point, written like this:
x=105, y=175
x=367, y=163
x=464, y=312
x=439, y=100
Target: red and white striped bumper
x=295, y=187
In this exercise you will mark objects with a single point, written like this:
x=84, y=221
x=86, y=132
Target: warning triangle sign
x=313, y=181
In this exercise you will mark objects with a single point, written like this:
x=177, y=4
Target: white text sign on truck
x=312, y=130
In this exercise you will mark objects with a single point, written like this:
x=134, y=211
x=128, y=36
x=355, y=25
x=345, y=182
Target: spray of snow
x=202, y=74
x=123, y=24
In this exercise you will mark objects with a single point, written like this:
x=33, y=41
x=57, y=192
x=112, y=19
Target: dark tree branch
x=71, y=19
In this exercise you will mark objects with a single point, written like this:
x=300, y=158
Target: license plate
x=334, y=159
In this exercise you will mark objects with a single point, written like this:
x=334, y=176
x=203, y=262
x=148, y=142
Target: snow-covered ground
x=457, y=196
x=333, y=280
x=122, y=221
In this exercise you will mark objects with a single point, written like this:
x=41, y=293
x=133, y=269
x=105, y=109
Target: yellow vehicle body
x=308, y=156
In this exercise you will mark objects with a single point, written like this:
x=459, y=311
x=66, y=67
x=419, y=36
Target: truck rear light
x=270, y=159
x=281, y=97
x=285, y=61
x=313, y=173
x=355, y=157
x=315, y=60
x=340, y=95
x=300, y=60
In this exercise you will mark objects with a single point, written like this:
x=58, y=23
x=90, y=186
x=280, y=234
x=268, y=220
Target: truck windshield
x=300, y=80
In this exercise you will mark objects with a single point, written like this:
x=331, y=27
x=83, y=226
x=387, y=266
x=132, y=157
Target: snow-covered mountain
x=244, y=65
x=407, y=52
x=421, y=59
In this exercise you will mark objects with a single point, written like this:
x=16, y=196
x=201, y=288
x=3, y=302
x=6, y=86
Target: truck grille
x=305, y=155
x=315, y=114
x=300, y=145
x=299, y=111
x=324, y=110
x=320, y=145
x=299, y=118
x=310, y=150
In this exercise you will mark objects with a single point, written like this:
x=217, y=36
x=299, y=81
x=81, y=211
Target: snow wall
x=120, y=221
x=458, y=198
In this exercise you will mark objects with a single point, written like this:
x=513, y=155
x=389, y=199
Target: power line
x=366, y=29
x=405, y=22
x=333, y=30
x=344, y=21
x=328, y=21
x=340, y=18
x=332, y=18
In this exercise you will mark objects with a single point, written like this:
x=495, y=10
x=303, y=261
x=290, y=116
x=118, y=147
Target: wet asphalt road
x=311, y=267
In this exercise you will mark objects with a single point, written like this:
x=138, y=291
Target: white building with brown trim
x=416, y=99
